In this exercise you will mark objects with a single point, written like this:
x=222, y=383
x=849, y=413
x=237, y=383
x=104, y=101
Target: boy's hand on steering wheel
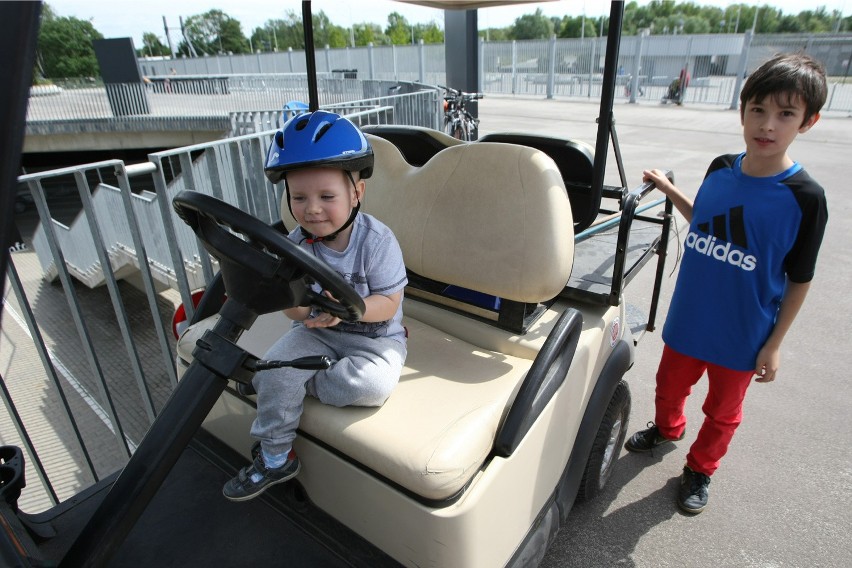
x=323, y=319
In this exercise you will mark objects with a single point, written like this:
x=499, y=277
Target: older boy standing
x=756, y=226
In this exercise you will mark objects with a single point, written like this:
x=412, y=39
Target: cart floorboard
x=192, y=524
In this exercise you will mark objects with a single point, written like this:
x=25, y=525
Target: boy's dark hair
x=790, y=74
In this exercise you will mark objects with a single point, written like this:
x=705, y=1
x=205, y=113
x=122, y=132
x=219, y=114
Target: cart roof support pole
x=310, y=56
x=616, y=15
x=16, y=76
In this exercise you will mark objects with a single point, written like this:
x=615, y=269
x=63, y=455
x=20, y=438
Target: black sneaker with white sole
x=648, y=439
x=694, y=491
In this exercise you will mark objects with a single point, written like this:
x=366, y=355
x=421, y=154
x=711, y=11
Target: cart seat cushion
x=437, y=428
x=494, y=218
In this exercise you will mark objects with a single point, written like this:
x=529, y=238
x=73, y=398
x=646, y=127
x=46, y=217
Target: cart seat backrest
x=494, y=218
x=574, y=158
x=417, y=144
x=576, y=163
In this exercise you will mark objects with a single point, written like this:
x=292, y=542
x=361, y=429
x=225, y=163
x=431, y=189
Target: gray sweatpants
x=364, y=374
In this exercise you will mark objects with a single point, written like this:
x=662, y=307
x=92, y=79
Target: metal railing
x=260, y=120
x=563, y=67
x=420, y=62
x=648, y=66
x=208, y=96
x=208, y=162
x=124, y=234
x=231, y=169
x=571, y=67
x=113, y=396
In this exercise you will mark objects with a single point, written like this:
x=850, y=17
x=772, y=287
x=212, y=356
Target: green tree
x=326, y=33
x=577, y=27
x=768, y=20
x=816, y=21
x=366, y=34
x=213, y=32
x=65, y=47
x=289, y=33
x=399, y=31
x=429, y=33
x=532, y=26
x=286, y=33
x=496, y=34
x=265, y=38
x=637, y=17
x=152, y=46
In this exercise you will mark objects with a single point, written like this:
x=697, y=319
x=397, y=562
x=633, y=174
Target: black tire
x=607, y=445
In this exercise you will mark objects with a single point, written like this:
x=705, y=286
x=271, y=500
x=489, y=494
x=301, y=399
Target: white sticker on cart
x=614, y=332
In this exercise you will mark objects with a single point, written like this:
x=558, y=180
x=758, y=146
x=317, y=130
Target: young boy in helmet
x=756, y=226
x=323, y=160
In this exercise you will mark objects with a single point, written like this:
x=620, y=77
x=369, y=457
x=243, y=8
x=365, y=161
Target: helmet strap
x=311, y=239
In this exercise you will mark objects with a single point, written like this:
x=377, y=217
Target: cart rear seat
x=417, y=144
x=575, y=159
x=493, y=218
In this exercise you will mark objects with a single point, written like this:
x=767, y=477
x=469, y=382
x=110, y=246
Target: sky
x=131, y=18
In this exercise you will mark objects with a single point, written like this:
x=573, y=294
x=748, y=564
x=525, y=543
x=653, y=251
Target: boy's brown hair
x=788, y=75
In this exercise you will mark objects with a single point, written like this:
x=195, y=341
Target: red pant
x=723, y=407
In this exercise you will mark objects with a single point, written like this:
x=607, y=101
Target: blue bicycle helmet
x=318, y=139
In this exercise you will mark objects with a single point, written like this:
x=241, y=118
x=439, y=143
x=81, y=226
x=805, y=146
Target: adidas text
x=708, y=246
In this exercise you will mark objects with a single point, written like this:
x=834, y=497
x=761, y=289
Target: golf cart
x=512, y=402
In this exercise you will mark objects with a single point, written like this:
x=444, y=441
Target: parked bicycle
x=458, y=122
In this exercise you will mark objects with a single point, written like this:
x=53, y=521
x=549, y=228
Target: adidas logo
x=718, y=239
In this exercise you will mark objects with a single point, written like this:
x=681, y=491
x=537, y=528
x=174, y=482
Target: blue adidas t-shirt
x=747, y=236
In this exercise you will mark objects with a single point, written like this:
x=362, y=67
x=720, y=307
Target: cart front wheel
x=608, y=442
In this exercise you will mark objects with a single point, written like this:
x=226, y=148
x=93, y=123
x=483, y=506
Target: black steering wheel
x=265, y=271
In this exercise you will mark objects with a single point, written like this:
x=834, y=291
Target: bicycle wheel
x=472, y=128
x=449, y=125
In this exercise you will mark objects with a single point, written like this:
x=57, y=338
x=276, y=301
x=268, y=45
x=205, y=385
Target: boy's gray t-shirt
x=371, y=264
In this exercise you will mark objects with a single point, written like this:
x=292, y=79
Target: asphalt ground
x=783, y=494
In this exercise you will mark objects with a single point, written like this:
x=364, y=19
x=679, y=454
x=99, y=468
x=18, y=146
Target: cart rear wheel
x=608, y=442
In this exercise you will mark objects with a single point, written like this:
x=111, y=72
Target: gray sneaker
x=647, y=440
x=242, y=488
x=694, y=491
